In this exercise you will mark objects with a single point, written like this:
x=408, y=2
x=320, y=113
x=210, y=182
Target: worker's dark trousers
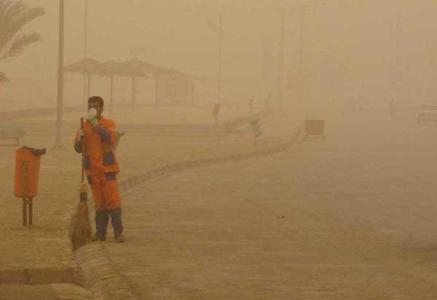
x=116, y=221
x=102, y=220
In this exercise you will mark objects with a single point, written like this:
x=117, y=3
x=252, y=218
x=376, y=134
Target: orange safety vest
x=99, y=152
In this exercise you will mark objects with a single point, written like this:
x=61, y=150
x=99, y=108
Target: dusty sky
x=361, y=49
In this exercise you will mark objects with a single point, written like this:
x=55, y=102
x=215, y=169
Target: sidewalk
x=348, y=218
x=39, y=260
x=44, y=292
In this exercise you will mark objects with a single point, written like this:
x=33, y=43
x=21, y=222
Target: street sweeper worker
x=101, y=168
x=215, y=112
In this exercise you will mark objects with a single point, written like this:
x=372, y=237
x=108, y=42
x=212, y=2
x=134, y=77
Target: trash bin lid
x=36, y=152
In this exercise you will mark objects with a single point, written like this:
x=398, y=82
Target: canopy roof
x=112, y=68
x=86, y=66
x=129, y=68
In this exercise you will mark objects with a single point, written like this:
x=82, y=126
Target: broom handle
x=82, y=144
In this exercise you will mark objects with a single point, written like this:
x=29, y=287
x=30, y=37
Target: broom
x=81, y=223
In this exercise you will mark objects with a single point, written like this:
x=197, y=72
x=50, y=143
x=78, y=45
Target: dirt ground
x=349, y=218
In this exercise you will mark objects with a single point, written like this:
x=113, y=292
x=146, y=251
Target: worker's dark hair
x=96, y=99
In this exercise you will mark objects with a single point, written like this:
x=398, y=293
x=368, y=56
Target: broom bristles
x=81, y=233
x=84, y=188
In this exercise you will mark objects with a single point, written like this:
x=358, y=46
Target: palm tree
x=14, y=14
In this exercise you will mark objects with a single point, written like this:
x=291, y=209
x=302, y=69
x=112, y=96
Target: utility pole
x=60, y=89
x=135, y=53
x=218, y=28
x=86, y=77
x=301, y=86
x=265, y=66
x=111, y=95
x=396, y=70
x=220, y=53
x=281, y=59
x=85, y=42
x=134, y=93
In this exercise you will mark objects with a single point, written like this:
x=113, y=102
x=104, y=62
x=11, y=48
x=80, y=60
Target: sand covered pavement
x=42, y=255
x=349, y=218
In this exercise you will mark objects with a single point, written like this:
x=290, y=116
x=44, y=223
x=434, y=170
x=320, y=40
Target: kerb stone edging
x=135, y=181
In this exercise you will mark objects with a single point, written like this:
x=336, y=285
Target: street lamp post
x=219, y=29
x=303, y=10
x=220, y=53
x=85, y=36
x=60, y=88
x=281, y=59
x=396, y=70
x=86, y=77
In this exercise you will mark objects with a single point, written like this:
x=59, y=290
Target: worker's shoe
x=97, y=237
x=119, y=238
x=117, y=224
x=102, y=220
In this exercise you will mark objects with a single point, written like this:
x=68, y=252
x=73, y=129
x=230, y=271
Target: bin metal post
x=25, y=181
x=24, y=212
x=30, y=211
x=27, y=201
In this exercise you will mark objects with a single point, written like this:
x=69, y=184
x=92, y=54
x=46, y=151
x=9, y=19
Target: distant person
x=216, y=112
x=101, y=167
x=256, y=129
x=251, y=103
x=267, y=100
x=392, y=109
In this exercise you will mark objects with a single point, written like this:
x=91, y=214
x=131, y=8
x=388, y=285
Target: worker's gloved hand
x=105, y=135
x=80, y=133
x=92, y=117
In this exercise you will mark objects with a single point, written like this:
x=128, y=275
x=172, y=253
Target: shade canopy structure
x=85, y=66
x=141, y=66
x=155, y=71
x=113, y=68
x=171, y=86
x=168, y=82
x=108, y=69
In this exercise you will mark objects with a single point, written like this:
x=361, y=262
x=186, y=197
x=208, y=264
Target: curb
x=43, y=275
x=134, y=181
x=99, y=274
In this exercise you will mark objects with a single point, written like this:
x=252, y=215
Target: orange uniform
x=100, y=164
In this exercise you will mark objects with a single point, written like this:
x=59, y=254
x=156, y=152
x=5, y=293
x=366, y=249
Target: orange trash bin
x=27, y=162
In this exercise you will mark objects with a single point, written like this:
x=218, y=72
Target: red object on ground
x=315, y=127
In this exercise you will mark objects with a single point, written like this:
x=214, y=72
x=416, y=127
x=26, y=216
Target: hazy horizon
x=351, y=49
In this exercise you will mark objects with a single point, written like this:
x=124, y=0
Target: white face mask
x=92, y=113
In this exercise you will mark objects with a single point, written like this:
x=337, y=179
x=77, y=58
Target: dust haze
x=269, y=149
x=354, y=52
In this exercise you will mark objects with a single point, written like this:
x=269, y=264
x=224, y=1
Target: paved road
x=349, y=218
x=44, y=292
